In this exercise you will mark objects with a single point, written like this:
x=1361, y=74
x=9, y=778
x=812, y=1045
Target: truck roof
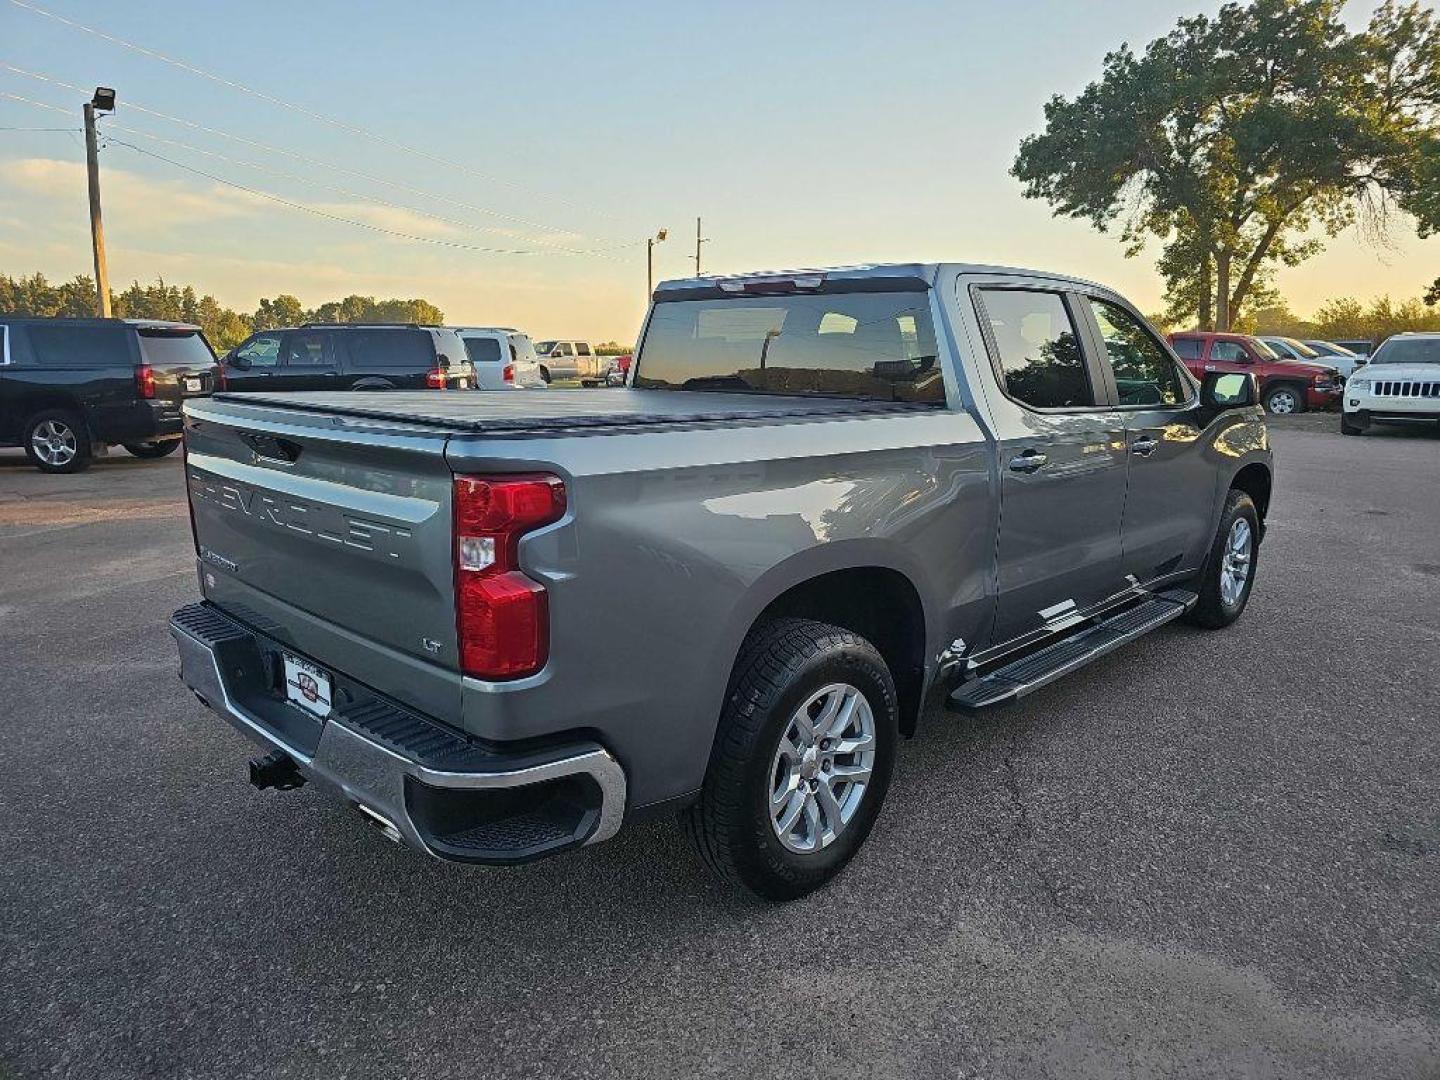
x=925, y=273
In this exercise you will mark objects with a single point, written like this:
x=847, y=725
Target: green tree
x=1236, y=139
x=1432, y=295
x=284, y=310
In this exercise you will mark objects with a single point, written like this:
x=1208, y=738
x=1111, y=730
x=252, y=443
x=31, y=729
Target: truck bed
x=561, y=411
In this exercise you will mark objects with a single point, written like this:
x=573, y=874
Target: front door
x=253, y=365
x=1171, y=485
x=1062, y=464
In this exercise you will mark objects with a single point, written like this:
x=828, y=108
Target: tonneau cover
x=561, y=410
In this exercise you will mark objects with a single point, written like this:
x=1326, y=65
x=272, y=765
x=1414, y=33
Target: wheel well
x=881, y=606
x=1254, y=480
x=41, y=402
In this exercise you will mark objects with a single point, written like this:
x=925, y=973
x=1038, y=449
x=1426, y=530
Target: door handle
x=1028, y=462
x=1144, y=446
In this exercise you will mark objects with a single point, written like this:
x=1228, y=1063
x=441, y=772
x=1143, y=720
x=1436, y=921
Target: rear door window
x=582, y=348
x=1229, y=352
x=308, y=349
x=1189, y=348
x=390, y=349
x=56, y=345
x=1144, y=372
x=1038, y=349
x=484, y=350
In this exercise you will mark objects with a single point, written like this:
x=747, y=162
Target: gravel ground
x=1209, y=854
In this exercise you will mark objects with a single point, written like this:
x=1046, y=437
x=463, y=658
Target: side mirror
x=444, y=362
x=1362, y=360
x=1228, y=390
x=239, y=363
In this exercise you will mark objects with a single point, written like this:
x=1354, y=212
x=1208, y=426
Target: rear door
x=307, y=362
x=383, y=358
x=1061, y=459
x=1171, y=486
x=488, y=358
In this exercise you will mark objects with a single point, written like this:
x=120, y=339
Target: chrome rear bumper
x=419, y=782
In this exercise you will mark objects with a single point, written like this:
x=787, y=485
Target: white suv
x=503, y=358
x=1400, y=382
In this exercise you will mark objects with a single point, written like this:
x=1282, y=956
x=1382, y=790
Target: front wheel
x=1284, y=401
x=1347, y=428
x=148, y=450
x=1229, y=573
x=802, y=759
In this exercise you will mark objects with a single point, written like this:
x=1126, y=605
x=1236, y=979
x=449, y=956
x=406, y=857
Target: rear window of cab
x=879, y=346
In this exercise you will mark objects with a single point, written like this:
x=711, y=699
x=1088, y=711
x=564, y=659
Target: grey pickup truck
x=501, y=626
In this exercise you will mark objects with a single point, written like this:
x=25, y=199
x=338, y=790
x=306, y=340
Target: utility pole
x=698, y=241
x=658, y=238
x=104, y=100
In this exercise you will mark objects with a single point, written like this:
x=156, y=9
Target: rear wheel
x=802, y=759
x=545, y=374
x=56, y=441
x=157, y=449
x=1284, y=400
x=1229, y=573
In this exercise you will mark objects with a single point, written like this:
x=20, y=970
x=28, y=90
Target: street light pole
x=658, y=238
x=104, y=101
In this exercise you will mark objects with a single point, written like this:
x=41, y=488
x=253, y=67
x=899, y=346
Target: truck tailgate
x=332, y=539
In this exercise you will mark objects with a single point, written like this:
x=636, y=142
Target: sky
x=566, y=133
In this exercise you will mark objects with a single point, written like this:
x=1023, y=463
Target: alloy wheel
x=1235, y=562
x=822, y=767
x=54, y=442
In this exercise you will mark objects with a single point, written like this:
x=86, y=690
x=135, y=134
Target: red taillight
x=435, y=378
x=220, y=381
x=509, y=373
x=502, y=617
x=145, y=380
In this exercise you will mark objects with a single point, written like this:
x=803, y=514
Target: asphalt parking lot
x=1209, y=854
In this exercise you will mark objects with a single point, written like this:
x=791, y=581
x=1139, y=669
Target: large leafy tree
x=1241, y=141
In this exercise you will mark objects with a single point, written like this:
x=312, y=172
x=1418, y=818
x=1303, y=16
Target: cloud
x=139, y=198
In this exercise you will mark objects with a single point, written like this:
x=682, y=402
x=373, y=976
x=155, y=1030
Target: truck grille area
x=1408, y=388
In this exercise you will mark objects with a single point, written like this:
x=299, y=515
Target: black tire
x=1290, y=393
x=588, y=384
x=783, y=663
x=545, y=374
x=1347, y=428
x=149, y=450
x=62, y=428
x=1212, y=611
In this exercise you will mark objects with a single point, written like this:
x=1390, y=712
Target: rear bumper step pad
x=418, y=781
x=1020, y=677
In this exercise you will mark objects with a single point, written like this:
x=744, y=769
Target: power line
x=37, y=129
x=300, y=109
x=305, y=158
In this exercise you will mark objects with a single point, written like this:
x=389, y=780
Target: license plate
x=307, y=686
x=192, y=386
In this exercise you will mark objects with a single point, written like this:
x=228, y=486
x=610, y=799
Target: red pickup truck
x=1286, y=386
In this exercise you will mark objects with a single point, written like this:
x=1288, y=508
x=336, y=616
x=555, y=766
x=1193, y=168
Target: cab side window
x=1144, y=372
x=582, y=348
x=1228, y=351
x=566, y=350
x=263, y=350
x=1037, y=349
x=1189, y=348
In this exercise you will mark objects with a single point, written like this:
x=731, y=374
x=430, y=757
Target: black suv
x=349, y=356
x=70, y=387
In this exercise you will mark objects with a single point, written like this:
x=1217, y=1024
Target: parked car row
x=1288, y=384
x=72, y=388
